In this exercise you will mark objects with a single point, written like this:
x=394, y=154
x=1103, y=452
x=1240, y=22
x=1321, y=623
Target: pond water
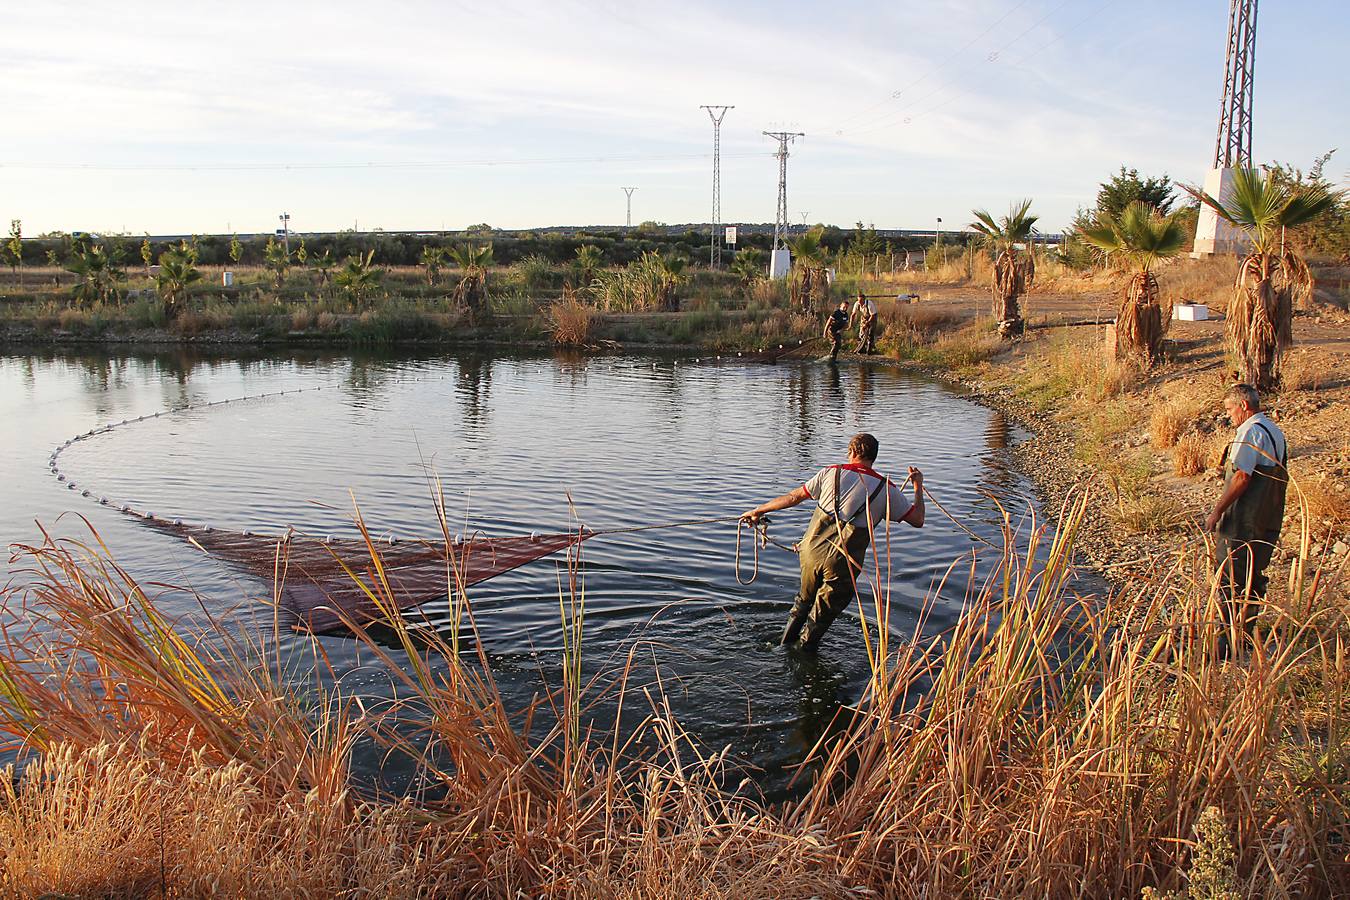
x=521, y=444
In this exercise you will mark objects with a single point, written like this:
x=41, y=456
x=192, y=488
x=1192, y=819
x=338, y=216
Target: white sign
x=731, y=234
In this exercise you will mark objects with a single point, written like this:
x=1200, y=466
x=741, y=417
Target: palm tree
x=1142, y=236
x=1014, y=269
x=474, y=259
x=810, y=285
x=748, y=267
x=670, y=269
x=323, y=264
x=1272, y=278
x=589, y=260
x=433, y=260
x=96, y=273
x=277, y=260
x=358, y=277
x=177, y=273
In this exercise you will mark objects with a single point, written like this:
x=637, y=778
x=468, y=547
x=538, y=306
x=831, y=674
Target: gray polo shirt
x=856, y=485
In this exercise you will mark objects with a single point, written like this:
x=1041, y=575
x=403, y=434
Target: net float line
x=123, y=505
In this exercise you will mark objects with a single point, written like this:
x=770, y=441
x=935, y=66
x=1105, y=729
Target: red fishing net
x=325, y=584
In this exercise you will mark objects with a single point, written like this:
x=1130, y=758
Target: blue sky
x=404, y=115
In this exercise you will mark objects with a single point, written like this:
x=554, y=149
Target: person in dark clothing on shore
x=850, y=501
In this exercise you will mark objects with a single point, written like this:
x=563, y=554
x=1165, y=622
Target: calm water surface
x=630, y=440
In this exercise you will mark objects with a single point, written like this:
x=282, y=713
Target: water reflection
x=474, y=389
x=626, y=442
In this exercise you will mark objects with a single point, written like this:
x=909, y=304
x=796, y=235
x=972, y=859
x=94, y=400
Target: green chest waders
x=1249, y=530
x=832, y=554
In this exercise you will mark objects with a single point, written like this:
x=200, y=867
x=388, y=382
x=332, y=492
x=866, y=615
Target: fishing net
x=325, y=585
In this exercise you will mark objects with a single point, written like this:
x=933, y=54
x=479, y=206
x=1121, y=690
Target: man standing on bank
x=835, y=323
x=850, y=500
x=1250, y=511
x=865, y=311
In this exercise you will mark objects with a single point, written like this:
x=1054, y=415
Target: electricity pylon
x=716, y=113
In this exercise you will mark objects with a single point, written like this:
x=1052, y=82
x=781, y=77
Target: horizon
x=138, y=120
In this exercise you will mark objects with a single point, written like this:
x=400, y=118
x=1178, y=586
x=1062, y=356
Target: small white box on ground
x=780, y=262
x=227, y=279
x=1190, y=312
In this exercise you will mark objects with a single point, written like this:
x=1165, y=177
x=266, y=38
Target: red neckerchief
x=860, y=468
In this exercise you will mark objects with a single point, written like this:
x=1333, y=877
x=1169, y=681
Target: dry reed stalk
x=1047, y=745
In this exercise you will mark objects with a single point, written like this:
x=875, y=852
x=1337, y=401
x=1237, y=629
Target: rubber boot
x=795, y=620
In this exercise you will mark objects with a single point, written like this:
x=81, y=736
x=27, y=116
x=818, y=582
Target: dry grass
x=1209, y=281
x=1192, y=454
x=1046, y=745
x=1078, y=367
x=570, y=320
x=1304, y=370
x=1327, y=503
x=1166, y=425
x=302, y=319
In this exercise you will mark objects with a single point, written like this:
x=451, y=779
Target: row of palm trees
x=1272, y=279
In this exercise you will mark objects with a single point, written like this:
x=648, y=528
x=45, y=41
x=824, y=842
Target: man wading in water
x=850, y=500
x=865, y=311
x=835, y=323
x=1250, y=511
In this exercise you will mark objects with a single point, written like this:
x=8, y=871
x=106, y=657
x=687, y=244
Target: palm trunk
x=1260, y=322
x=1140, y=325
x=1009, y=281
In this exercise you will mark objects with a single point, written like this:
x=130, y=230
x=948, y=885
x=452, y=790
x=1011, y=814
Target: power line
x=896, y=94
x=281, y=167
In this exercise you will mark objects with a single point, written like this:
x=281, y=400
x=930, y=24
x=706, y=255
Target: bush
x=570, y=321
x=1166, y=425
x=1191, y=454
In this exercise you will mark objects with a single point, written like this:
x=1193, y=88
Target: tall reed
x=1054, y=742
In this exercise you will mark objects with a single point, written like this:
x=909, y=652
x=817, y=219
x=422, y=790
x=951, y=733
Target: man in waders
x=865, y=311
x=1248, y=515
x=835, y=323
x=850, y=500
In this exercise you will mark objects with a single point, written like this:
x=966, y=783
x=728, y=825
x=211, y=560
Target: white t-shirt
x=856, y=485
x=865, y=309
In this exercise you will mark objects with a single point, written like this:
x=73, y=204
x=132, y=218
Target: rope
x=759, y=537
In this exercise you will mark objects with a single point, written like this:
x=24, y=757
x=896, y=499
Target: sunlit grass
x=1049, y=744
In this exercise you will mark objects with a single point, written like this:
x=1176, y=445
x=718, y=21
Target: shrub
x=1191, y=454
x=1166, y=425
x=570, y=321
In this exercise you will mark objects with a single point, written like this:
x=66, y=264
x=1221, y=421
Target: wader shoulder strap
x=1284, y=457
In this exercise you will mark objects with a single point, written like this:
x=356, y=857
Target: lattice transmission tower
x=780, y=225
x=717, y=114
x=629, y=191
x=1234, y=145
